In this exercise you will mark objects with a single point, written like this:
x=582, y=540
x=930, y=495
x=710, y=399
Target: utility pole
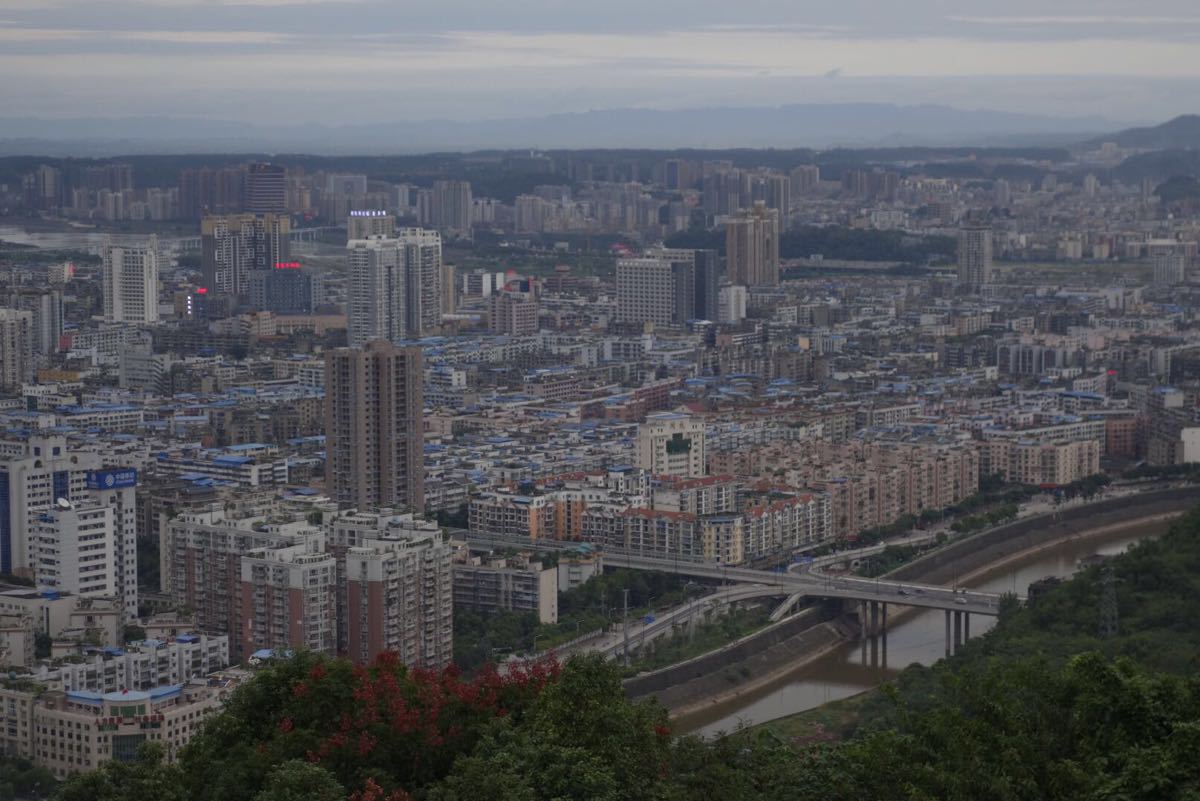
x=625, y=626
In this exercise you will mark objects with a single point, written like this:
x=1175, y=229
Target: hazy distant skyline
x=362, y=61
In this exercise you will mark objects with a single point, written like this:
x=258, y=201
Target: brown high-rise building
x=373, y=427
x=752, y=247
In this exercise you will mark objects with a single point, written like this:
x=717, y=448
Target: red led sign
x=287, y=265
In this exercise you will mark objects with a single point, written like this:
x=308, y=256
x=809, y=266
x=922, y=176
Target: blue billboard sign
x=112, y=479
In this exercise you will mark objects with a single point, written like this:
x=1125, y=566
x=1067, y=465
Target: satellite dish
x=63, y=503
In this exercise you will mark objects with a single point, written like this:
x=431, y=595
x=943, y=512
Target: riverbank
x=711, y=680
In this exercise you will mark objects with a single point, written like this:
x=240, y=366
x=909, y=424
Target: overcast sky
x=376, y=60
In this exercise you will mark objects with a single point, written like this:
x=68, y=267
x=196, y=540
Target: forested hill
x=1041, y=708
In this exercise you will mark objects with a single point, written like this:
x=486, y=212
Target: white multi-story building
x=74, y=547
x=34, y=473
x=131, y=282
x=671, y=444
x=88, y=546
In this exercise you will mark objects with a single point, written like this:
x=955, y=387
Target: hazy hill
x=1181, y=133
x=801, y=125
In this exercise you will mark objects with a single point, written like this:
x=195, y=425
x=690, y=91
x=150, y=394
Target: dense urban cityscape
x=602, y=472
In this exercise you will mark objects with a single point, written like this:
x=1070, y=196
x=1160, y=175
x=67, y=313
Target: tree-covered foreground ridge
x=1039, y=708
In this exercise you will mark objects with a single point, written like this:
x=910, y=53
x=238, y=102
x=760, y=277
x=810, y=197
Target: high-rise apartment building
x=202, y=554
x=374, y=428
x=266, y=189
x=451, y=204
x=131, y=282
x=233, y=246
x=208, y=191
x=423, y=271
x=975, y=256
x=395, y=285
x=369, y=223
x=288, y=599
x=1170, y=269
x=399, y=590
x=752, y=247
x=16, y=348
x=671, y=444
x=45, y=303
x=377, y=297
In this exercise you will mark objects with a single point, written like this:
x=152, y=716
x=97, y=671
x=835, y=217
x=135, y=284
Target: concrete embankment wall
x=995, y=545
x=740, y=663
x=763, y=657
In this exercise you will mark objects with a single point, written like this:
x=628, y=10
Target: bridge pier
x=966, y=626
x=957, y=630
x=947, y=632
x=883, y=622
x=874, y=618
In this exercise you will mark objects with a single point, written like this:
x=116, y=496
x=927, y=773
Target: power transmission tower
x=1108, y=604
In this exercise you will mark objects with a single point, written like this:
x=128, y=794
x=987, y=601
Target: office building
x=513, y=313
x=671, y=444
x=374, y=428
x=131, y=282
x=74, y=549
x=287, y=289
x=655, y=290
x=78, y=731
x=233, y=246
x=34, y=473
x=266, y=189
x=16, y=349
x=975, y=256
x=752, y=247
x=398, y=589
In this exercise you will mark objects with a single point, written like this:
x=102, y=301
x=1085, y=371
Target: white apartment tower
x=376, y=307
x=395, y=285
x=131, y=282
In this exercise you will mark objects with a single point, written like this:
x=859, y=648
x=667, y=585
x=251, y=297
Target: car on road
x=960, y=600
x=902, y=591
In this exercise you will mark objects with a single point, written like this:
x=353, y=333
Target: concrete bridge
x=872, y=596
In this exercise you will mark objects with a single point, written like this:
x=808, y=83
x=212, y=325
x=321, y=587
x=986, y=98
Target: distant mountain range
x=804, y=125
x=1181, y=133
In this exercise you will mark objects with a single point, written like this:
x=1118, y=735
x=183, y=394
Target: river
x=919, y=637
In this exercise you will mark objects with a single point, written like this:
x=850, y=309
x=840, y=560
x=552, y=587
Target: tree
x=297, y=780
x=147, y=779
